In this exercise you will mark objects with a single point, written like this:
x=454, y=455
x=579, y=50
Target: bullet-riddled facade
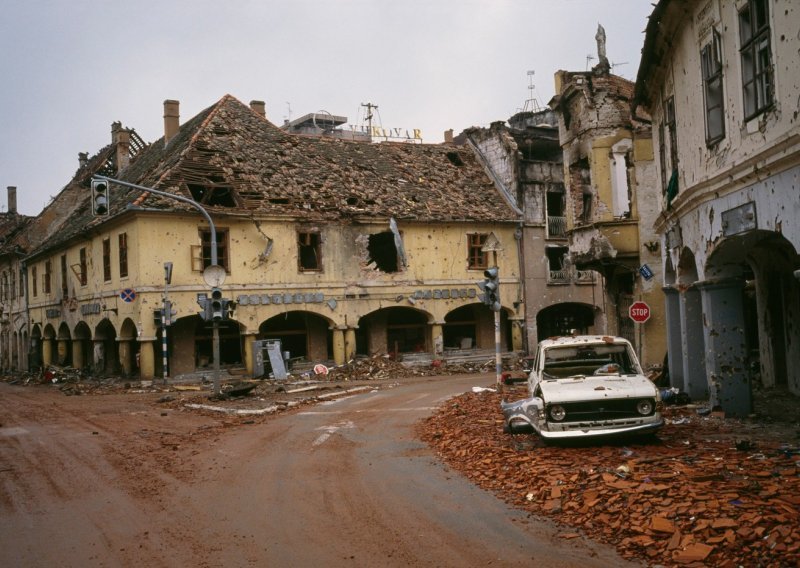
x=611, y=192
x=337, y=248
x=721, y=81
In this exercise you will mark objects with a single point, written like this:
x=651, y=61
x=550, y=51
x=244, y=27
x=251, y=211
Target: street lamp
x=216, y=273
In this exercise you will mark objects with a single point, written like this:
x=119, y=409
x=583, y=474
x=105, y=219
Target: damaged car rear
x=584, y=387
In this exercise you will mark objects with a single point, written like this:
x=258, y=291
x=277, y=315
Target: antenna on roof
x=532, y=104
x=288, y=116
x=620, y=63
x=368, y=117
x=589, y=57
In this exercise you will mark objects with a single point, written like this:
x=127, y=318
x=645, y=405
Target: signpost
x=639, y=312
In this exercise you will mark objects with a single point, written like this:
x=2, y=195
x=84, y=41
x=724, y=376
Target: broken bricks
x=692, y=498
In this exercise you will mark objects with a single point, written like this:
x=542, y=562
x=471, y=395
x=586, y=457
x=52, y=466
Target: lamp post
x=212, y=272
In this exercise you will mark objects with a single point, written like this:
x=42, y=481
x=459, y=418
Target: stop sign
x=639, y=312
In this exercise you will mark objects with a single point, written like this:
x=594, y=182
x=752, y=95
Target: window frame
x=83, y=276
x=64, y=280
x=46, y=288
x=107, y=260
x=713, y=87
x=201, y=254
x=316, y=247
x=122, y=246
x=758, y=86
x=34, y=287
x=477, y=259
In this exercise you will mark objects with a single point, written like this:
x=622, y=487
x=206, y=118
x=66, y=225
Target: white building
x=721, y=80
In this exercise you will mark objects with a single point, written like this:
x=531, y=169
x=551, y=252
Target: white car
x=586, y=386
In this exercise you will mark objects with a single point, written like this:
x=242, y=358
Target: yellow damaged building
x=337, y=248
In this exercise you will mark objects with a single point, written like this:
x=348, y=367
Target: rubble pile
x=68, y=380
x=384, y=367
x=708, y=491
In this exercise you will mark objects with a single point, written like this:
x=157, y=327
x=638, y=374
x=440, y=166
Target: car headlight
x=557, y=412
x=644, y=407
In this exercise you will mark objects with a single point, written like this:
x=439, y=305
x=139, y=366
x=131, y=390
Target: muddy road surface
x=123, y=480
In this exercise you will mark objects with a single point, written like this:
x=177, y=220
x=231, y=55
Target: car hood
x=593, y=388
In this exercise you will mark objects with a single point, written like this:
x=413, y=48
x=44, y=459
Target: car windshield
x=565, y=361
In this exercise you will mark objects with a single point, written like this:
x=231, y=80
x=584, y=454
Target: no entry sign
x=639, y=312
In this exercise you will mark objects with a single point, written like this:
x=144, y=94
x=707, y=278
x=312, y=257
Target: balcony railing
x=567, y=276
x=556, y=227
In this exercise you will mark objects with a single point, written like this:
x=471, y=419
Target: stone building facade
x=525, y=158
x=721, y=81
x=336, y=248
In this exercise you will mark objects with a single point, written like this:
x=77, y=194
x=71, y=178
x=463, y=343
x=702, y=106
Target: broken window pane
x=756, y=57
x=222, y=248
x=382, y=252
x=711, y=62
x=308, y=251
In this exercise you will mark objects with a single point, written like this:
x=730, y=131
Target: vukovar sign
x=412, y=135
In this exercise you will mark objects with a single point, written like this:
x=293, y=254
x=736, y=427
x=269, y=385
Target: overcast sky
x=70, y=68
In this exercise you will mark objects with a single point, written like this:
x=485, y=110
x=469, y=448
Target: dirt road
x=121, y=480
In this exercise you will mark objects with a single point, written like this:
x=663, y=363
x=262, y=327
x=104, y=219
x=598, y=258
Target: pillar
x=695, y=378
x=125, y=358
x=63, y=352
x=147, y=361
x=338, y=346
x=47, y=352
x=437, y=339
x=516, y=335
x=349, y=343
x=672, y=311
x=77, y=354
x=725, y=346
x=249, y=361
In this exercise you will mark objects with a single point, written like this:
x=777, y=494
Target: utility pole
x=213, y=274
x=165, y=319
x=368, y=118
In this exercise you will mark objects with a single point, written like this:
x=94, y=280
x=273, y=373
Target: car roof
x=582, y=340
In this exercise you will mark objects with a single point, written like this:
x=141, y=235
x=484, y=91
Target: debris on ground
x=708, y=491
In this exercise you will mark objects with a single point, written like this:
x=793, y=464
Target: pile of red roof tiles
x=708, y=491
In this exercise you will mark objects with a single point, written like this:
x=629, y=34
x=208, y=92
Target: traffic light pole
x=215, y=323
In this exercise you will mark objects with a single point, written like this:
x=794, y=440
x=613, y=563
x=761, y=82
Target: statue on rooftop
x=603, y=63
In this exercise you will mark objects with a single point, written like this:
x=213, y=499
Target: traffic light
x=228, y=307
x=215, y=305
x=491, y=288
x=99, y=198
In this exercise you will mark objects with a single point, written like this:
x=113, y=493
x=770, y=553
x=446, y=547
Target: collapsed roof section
x=233, y=161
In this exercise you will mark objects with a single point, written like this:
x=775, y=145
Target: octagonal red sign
x=639, y=312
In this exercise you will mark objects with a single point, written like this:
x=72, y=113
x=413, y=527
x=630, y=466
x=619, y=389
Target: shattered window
x=106, y=260
x=711, y=58
x=383, y=252
x=64, y=281
x=46, y=285
x=83, y=275
x=123, y=255
x=309, y=255
x=222, y=248
x=477, y=258
x=756, y=57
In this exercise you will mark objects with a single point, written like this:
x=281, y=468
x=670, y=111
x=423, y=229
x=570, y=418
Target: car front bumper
x=600, y=429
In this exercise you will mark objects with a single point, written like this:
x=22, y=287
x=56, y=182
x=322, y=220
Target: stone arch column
x=725, y=346
x=147, y=360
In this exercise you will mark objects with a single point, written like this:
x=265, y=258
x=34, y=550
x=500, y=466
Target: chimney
x=259, y=107
x=448, y=136
x=121, y=138
x=12, y=199
x=171, y=116
x=83, y=159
